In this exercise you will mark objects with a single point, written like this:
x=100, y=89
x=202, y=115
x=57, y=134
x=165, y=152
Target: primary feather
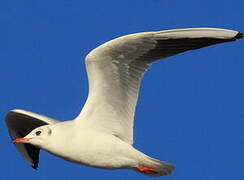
x=115, y=70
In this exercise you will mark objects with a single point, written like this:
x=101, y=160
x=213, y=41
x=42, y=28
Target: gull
x=101, y=136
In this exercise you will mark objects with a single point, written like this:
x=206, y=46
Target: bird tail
x=155, y=168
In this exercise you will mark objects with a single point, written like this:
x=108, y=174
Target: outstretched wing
x=20, y=123
x=115, y=70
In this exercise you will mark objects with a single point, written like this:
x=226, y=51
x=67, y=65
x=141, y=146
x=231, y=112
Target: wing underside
x=115, y=70
x=20, y=123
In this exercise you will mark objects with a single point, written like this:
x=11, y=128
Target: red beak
x=20, y=140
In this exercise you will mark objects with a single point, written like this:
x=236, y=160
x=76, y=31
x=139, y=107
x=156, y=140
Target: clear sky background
x=191, y=106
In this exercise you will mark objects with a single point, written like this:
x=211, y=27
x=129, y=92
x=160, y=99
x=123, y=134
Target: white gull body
x=102, y=134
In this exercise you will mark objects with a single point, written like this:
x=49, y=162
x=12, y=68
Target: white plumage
x=102, y=134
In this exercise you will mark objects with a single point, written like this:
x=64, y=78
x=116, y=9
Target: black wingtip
x=35, y=166
x=239, y=35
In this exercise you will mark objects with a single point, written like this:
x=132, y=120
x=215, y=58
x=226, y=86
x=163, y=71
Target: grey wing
x=115, y=70
x=20, y=123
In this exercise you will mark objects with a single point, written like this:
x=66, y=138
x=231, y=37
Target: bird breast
x=96, y=149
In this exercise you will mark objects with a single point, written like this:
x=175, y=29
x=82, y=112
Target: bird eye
x=38, y=133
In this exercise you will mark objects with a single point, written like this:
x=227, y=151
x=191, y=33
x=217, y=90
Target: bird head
x=36, y=137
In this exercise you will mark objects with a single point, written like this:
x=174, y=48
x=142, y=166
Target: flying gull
x=101, y=135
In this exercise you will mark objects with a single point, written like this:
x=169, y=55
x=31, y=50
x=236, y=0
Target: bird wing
x=115, y=70
x=20, y=123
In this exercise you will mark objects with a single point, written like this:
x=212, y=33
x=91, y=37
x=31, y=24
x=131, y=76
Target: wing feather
x=20, y=123
x=115, y=70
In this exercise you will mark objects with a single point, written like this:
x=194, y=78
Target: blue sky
x=191, y=107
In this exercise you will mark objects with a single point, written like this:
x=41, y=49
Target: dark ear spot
x=49, y=131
